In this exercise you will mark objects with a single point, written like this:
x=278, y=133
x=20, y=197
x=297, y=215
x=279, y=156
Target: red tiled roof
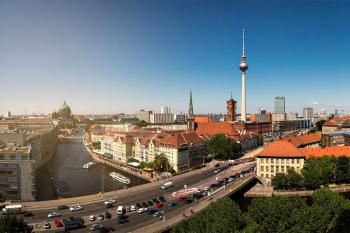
x=320, y=152
x=213, y=128
x=302, y=140
x=280, y=148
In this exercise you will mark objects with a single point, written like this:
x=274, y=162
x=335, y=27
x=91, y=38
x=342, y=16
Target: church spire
x=190, y=109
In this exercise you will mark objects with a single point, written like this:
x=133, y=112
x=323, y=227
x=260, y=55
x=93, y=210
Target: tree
x=142, y=123
x=319, y=124
x=221, y=216
x=222, y=147
x=161, y=163
x=319, y=171
x=343, y=170
x=10, y=223
x=260, y=140
x=295, y=180
x=96, y=145
x=280, y=181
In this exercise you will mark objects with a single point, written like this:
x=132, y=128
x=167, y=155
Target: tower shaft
x=243, y=113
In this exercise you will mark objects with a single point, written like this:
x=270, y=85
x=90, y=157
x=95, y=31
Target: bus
x=12, y=209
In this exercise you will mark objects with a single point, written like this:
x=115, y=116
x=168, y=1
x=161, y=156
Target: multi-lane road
x=135, y=220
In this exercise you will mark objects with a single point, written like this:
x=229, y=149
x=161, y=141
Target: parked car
x=138, y=205
x=95, y=227
x=92, y=218
x=181, y=198
x=189, y=200
x=157, y=214
x=54, y=214
x=159, y=205
x=150, y=203
x=172, y=203
x=58, y=223
x=110, y=201
x=108, y=215
x=161, y=198
x=100, y=217
x=46, y=225
x=28, y=214
x=109, y=205
x=133, y=208
x=144, y=204
x=155, y=200
x=141, y=210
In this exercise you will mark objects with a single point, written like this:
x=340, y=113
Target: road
x=138, y=220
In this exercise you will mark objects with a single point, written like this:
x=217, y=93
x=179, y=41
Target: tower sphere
x=243, y=66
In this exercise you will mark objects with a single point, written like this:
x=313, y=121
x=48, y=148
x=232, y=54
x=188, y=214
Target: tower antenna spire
x=243, y=45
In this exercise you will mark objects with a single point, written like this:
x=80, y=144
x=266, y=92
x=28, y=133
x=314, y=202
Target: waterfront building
x=17, y=173
x=122, y=148
x=279, y=104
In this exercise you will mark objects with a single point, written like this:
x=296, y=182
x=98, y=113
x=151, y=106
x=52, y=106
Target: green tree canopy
x=319, y=124
x=222, y=147
x=161, y=163
x=343, y=170
x=10, y=223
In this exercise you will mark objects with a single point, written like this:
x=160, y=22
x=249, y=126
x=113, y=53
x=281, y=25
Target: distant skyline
x=121, y=56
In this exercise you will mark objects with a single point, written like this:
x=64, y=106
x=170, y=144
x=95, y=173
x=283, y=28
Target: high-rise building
x=308, y=112
x=243, y=66
x=279, y=104
x=143, y=115
x=161, y=118
x=165, y=110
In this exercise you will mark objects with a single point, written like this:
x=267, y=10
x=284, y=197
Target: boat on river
x=89, y=165
x=120, y=178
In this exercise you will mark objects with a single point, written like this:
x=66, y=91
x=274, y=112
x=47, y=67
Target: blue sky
x=119, y=56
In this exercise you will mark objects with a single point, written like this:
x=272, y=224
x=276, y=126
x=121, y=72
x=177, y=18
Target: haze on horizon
x=120, y=56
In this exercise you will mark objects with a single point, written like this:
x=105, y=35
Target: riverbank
x=267, y=191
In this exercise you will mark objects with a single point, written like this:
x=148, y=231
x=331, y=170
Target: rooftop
x=281, y=148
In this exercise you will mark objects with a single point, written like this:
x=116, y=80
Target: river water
x=64, y=175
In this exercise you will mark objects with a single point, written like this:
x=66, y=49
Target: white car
x=111, y=201
x=75, y=208
x=95, y=227
x=53, y=215
x=141, y=210
x=92, y=218
x=133, y=208
x=46, y=225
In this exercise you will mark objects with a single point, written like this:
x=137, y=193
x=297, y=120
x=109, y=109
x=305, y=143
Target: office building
x=165, y=110
x=143, y=115
x=279, y=104
x=161, y=118
x=308, y=112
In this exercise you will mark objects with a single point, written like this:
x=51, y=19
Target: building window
x=292, y=161
x=262, y=175
x=267, y=175
x=282, y=169
x=262, y=160
x=267, y=160
x=277, y=169
x=298, y=161
x=287, y=161
x=298, y=169
x=277, y=161
x=262, y=168
x=267, y=168
x=272, y=168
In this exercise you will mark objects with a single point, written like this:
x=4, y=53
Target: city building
x=161, y=118
x=278, y=117
x=291, y=116
x=165, y=110
x=336, y=138
x=261, y=117
x=323, y=113
x=180, y=118
x=243, y=66
x=308, y=112
x=231, y=110
x=129, y=120
x=6, y=114
x=17, y=173
x=143, y=115
x=279, y=104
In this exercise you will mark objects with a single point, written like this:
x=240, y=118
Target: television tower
x=243, y=66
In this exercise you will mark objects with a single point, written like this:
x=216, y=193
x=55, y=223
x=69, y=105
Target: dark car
x=150, y=203
x=161, y=198
x=122, y=219
x=152, y=211
x=62, y=207
x=144, y=204
x=28, y=214
x=106, y=229
x=108, y=215
x=189, y=200
x=138, y=205
x=172, y=203
x=109, y=205
x=155, y=200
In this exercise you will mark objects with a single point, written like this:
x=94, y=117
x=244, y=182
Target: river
x=64, y=175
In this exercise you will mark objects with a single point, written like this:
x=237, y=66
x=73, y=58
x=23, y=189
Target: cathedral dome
x=64, y=110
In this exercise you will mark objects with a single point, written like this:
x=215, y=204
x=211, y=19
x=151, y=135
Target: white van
x=120, y=210
x=12, y=209
x=168, y=185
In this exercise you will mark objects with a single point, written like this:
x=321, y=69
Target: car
x=106, y=229
x=152, y=211
x=157, y=214
x=132, y=208
x=161, y=198
x=46, y=225
x=127, y=208
x=95, y=227
x=108, y=215
x=58, y=223
x=159, y=205
x=75, y=208
x=122, y=219
x=150, y=203
x=92, y=218
x=144, y=204
x=189, y=200
x=155, y=200
x=172, y=203
x=217, y=170
x=112, y=201
x=28, y=214
x=54, y=214
x=109, y=205
x=62, y=207
x=181, y=198
x=141, y=210
x=100, y=217
x=138, y=205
